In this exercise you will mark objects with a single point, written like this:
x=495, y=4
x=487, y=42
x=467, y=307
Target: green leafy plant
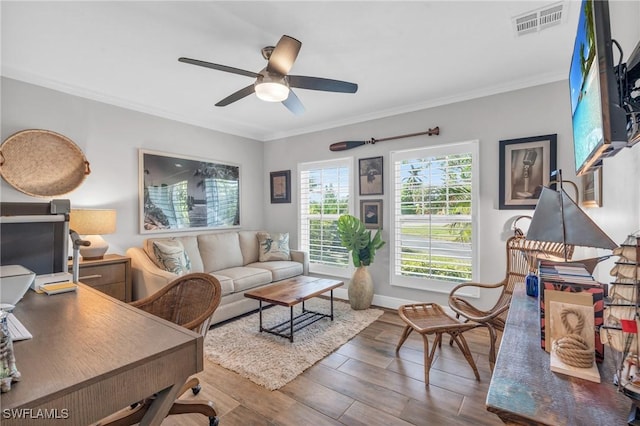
x=356, y=238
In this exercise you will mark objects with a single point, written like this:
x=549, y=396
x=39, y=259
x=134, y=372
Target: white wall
x=110, y=138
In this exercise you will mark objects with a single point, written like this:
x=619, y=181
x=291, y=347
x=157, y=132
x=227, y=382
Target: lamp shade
x=93, y=222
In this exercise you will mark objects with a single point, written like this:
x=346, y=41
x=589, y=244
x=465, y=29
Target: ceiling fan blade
x=218, y=67
x=293, y=104
x=284, y=55
x=237, y=96
x=324, y=84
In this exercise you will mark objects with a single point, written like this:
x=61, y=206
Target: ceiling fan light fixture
x=272, y=91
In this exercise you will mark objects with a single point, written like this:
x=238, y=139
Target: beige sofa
x=232, y=257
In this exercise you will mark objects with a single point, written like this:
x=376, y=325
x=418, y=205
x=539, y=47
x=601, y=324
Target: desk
x=524, y=390
x=92, y=355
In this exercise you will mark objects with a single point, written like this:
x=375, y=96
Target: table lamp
x=93, y=224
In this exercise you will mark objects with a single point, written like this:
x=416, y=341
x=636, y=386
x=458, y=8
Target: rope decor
x=572, y=348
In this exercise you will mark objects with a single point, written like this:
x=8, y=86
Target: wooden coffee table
x=290, y=293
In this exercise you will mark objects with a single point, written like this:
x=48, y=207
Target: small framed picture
x=592, y=189
x=371, y=213
x=281, y=187
x=370, y=171
x=525, y=167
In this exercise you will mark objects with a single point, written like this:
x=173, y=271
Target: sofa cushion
x=170, y=256
x=190, y=244
x=273, y=246
x=280, y=269
x=220, y=251
x=226, y=283
x=249, y=246
x=245, y=277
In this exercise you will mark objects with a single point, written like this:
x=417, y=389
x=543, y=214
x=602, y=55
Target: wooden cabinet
x=110, y=275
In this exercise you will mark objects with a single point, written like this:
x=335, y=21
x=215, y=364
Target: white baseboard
x=385, y=301
x=378, y=300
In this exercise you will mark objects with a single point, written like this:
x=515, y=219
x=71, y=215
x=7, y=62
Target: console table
x=91, y=356
x=524, y=390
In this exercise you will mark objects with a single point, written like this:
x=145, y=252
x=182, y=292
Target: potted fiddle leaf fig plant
x=356, y=238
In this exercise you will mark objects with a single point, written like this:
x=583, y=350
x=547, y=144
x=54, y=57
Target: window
x=325, y=194
x=433, y=218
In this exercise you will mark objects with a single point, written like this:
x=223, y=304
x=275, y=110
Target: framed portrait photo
x=525, y=167
x=370, y=173
x=281, y=187
x=371, y=213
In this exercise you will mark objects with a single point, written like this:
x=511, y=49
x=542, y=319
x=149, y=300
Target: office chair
x=189, y=301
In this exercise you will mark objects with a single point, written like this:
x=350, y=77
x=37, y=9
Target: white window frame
x=433, y=151
x=347, y=162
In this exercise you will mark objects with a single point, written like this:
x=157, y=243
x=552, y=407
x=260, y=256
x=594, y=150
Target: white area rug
x=272, y=361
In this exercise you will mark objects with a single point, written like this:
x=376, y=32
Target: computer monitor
x=35, y=235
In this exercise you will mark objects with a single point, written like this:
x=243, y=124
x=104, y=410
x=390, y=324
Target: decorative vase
x=361, y=289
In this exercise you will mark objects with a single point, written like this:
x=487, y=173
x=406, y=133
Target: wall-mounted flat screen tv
x=599, y=122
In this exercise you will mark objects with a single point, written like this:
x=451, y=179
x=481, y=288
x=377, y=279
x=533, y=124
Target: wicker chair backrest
x=523, y=256
x=188, y=301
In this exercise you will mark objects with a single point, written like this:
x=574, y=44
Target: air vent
x=539, y=19
x=527, y=24
x=551, y=16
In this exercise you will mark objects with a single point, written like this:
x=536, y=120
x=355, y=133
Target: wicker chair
x=189, y=301
x=522, y=257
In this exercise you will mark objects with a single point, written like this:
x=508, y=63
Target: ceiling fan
x=273, y=83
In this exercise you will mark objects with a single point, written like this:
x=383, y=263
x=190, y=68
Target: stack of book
x=565, y=272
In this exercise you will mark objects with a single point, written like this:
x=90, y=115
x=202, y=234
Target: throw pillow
x=170, y=256
x=273, y=246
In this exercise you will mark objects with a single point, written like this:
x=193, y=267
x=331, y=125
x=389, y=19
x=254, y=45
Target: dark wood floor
x=361, y=383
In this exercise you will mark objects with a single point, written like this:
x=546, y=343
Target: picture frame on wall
x=371, y=176
x=592, y=189
x=179, y=193
x=280, y=186
x=371, y=213
x=525, y=166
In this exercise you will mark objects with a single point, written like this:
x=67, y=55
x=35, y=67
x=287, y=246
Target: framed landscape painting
x=180, y=193
x=525, y=167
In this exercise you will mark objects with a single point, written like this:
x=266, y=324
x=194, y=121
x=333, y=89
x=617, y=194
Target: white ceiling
x=404, y=56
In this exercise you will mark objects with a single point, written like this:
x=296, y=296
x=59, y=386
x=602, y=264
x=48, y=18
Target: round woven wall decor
x=42, y=163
